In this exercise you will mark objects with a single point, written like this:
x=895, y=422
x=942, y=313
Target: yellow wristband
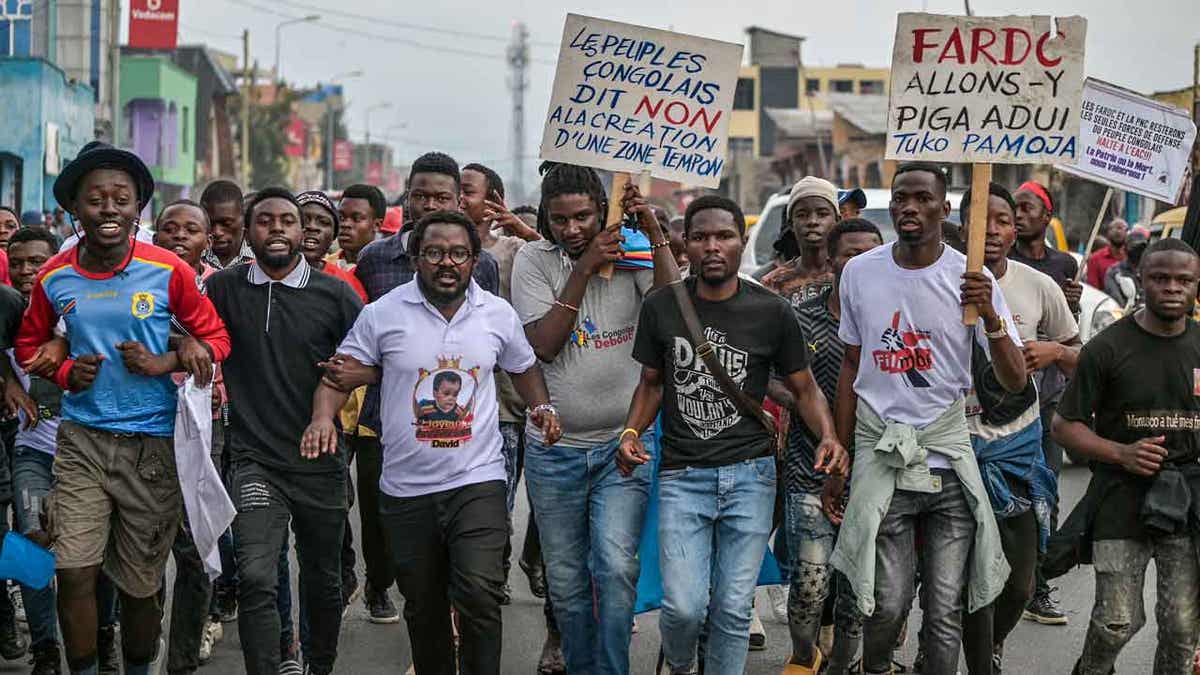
x=629, y=430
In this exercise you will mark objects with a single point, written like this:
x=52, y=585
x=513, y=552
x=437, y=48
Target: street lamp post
x=329, y=133
x=378, y=106
x=279, y=27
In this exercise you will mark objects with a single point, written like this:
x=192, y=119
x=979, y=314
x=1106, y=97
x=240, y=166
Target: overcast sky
x=461, y=103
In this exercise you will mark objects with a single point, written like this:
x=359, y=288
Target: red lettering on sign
x=678, y=112
x=984, y=47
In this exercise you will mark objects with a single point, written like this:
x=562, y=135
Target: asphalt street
x=368, y=649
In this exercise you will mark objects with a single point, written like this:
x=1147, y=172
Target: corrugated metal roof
x=801, y=123
x=865, y=111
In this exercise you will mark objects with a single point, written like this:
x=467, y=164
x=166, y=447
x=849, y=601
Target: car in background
x=1097, y=310
x=761, y=238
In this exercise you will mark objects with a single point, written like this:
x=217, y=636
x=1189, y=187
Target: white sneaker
x=213, y=632
x=779, y=599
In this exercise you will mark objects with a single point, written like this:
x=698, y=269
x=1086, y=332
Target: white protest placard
x=632, y=98
x=1132, y=143
x=985, y=89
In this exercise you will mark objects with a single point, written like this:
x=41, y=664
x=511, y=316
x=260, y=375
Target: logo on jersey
x=142, y=305
x=66, y=306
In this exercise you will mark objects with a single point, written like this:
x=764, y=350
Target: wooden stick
x=1095, y=230
x=981, y=178
x=616, y=214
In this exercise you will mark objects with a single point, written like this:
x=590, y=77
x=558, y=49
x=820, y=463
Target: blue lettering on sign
x=913, y=144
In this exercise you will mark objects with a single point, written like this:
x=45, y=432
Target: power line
x=386, y=38
x=376, y=20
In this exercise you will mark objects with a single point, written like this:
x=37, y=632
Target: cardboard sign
x=985, y=89
x=153, y=24
x=631, y=98
x=1132, y=143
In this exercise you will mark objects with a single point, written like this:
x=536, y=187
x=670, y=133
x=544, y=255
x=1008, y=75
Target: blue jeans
x=32, y=478
x=590, y=520
x=713, y=525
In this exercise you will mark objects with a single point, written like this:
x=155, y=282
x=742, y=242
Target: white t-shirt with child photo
x=439, y=410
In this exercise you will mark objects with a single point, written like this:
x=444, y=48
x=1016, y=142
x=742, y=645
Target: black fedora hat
x=99, y=155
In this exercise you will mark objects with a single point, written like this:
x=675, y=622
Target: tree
x=268, y=129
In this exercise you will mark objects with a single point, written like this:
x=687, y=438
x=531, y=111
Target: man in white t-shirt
x=906, y=369
x=1022, y=488
x=433, y=343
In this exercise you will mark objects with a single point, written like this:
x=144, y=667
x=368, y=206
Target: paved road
x=367, y=649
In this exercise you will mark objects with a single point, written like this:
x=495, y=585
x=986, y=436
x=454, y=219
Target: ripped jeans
x=810, y=538
x=1119, y=612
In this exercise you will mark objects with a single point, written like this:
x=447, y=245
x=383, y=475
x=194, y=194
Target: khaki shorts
x=116, y=501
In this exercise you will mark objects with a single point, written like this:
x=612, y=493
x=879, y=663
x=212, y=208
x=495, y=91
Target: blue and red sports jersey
x=134, y=302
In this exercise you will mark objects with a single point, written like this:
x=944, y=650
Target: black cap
x=98, y=155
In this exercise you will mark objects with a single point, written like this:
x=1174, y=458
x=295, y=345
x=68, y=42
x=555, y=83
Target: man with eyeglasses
x=383, y=265
x=433, y=345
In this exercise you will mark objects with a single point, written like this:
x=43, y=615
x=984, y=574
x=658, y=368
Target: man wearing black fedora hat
x=117, y=501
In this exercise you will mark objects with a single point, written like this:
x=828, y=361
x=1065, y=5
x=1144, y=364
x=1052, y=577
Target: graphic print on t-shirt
x=444, y=403
x=701, y=402
x=587, y=334
x=903, y=352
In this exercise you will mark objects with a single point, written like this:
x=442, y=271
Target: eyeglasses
x=458, y=255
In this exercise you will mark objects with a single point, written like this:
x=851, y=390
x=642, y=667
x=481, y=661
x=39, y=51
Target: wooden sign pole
x=1095, y=230
x=981, y=178
x=612, y=220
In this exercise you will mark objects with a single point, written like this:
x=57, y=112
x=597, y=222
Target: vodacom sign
x=153, y=24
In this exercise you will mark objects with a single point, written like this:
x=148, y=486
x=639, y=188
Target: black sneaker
x=11, y=644
x=1044, y=610
x=380, y=608
x=108, y=653
x=46, y=660
x=227, y=607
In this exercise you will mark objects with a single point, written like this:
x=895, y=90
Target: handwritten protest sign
x=1132, y=143
x=985, y=89
x=631, y=98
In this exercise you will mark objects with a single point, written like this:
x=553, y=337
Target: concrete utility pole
x=518, y=62
x=114, y=70
x=247, y=85
x=330, y=132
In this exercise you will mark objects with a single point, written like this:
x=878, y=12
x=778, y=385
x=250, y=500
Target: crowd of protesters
x=450, y=344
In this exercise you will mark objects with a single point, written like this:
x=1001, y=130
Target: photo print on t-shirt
x=903, y=353
x=701, y=402
x=444, y=403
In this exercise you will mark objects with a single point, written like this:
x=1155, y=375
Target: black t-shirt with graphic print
x=1132, y=385
x=753, y=332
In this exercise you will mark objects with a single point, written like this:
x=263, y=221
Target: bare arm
x=778, y=392
x=1143, y=458
x=646, y=401
x=531, y=385
x=548, y=335
x=1007, y=359
x=830, y=455
x=846, y=406
x=321, y=436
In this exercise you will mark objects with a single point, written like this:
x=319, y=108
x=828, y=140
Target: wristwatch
x=1000, y=332
x=545, y=407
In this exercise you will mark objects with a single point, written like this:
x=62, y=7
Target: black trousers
x=368, y=455
x=448, y=549
x=267, y=499
x=991, y=625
